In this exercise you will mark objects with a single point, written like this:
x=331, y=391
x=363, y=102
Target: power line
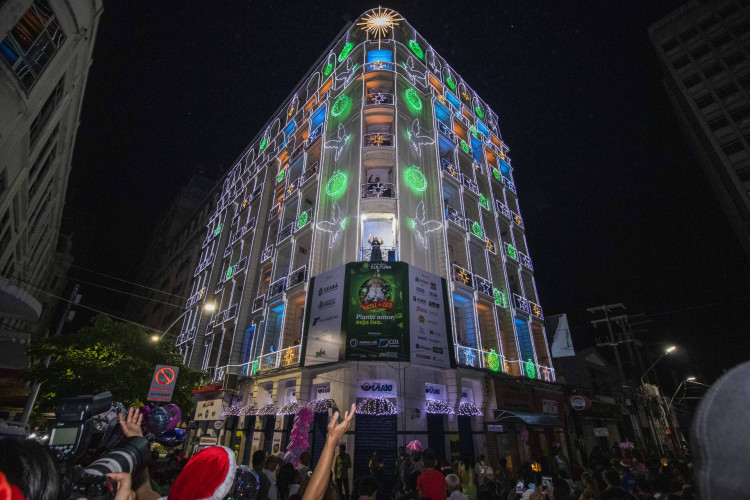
x=124, y=280
x=118, y=291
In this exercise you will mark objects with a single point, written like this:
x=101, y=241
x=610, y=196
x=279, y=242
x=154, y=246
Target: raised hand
x=131, y=424
x=336, y=429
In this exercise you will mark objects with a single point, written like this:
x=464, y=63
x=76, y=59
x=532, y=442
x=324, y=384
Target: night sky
x=615, y=207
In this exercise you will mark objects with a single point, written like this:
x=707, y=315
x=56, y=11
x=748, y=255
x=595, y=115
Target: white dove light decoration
x=339, y=142
x=334, y=226
x=423, y=227
x=416, y=140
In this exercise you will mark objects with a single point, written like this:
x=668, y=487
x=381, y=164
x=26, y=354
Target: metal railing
x=378, y=99
x=387, y=254
x=380, y=66
x=450, y=168
x=378, y=190
x=378, y=140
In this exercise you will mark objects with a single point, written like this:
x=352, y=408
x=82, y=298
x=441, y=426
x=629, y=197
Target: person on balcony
x=375, y=254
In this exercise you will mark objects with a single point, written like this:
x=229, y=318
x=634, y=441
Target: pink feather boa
x=298, y=438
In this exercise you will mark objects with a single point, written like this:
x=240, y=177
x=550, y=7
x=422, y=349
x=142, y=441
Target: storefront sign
x=549, y=407
x=467, y=395
x=435, y=392
x=601, y=432
x=321, y=391
x=579, y=403
x=218, y=424
x=256, y=441
x=208, y=441
x=325, y=313
x=381, y=388
x=428, y=340
x=495, y=428
x=210, y=409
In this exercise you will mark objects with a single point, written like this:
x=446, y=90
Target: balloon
x=144, y=410
x=246, y=483
x=174, y=437
x=157, y=421
x=174, y=413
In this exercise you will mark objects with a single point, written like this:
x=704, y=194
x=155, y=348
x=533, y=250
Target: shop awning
x=540, y=419
x=437, y=407
x=322, y=405
x=289, y=409
x=269, y=409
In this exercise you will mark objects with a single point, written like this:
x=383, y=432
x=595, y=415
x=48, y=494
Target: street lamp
x=668, y=350
x=206, y=307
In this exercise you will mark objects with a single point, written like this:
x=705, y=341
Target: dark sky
x=615, y=207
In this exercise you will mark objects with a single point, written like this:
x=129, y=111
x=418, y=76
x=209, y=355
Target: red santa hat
x=208, y=475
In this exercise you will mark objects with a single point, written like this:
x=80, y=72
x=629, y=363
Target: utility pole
x=611, y=340
x=31, y=401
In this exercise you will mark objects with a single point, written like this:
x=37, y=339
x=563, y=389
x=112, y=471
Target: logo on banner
x=377, y=387
x=329, y=288
x=375, y=294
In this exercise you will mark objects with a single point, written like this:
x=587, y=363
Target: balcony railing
x=258, y=303
x=379, y=99
x=462, y=275
x=274, y=211
x=309, y=173
x=483, y=286
x=186, y=336
x=378, y=140
x=378, y=190
x=450, y=168
x=448, y=132
x=509, y=185
x=195, y=297
x=387, y=254
x=380, y=66
x=517, y=219
x=314, y=135
x=204, y=264
x=503, y=209
x=267, y=253
x=536, y=309
x=279, y=359
x=468, y=356
x=521, y=304
x=454, y=216
x=470, y=183
x=525, y=260
x=536, y=371
x=285, y=232
x=296, y=277
x=277, y=287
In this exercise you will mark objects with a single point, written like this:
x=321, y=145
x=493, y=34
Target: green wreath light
x=450, y=83
x=328, y=69
x=280, y=176
x=414, y=46
x=530, y=369
x=465, y=147
x=303, y=219
x=483, y=201
x=497, y=174
x=480, y=114
x=493, y=360
x=263, y=144
x=218, y=229
x=415, y=179
x=412, y=99
x=340, y=105
x=336, y=185
x=512, y=252
x=498, y=297
x=476, y=228
x=228, y=274
x=345, y=51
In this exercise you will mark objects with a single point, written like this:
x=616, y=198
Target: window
x=669, y=45
x=707, y=23
x=744, y=175
x=48, y=146
x=733, y=147
x=726, y=91
x=727, y=11
x=718, y=122
x=721, y=40
x=692, y=81
x=704, y=101
x=740, y=114
x=700, y=51
x=4, y=232
x=681, y=62
x=741, y=29
x=3, y=181
x=713, y=70
x=30, y=45
x=49, y=106
x=688, y=34
x=733, y=60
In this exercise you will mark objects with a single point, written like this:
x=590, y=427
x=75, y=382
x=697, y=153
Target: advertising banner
x=324, y=317
x=209, y=410
x=377, y=388
x=427, y=325
x=549, y=407
x=321, y=391
x=435, y=392
x=467, y=395
x=375, y=317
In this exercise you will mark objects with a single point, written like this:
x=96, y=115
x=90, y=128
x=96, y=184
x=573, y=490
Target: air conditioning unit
x=229, y=383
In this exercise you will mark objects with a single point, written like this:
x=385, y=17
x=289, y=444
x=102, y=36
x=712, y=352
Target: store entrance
x=376, y=433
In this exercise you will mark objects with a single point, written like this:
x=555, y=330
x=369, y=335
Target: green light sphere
x=412, y=99
x=415, y=179
x=336, y=185
x=340, y=105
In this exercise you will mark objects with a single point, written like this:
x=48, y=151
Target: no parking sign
x=162, y=383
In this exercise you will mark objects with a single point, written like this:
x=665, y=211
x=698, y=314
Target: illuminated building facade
x=704, y=51
x=384, y=156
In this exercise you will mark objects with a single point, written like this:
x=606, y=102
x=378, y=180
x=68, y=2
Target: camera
x=88, y=443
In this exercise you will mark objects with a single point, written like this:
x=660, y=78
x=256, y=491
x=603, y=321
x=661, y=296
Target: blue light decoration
x=453, y=100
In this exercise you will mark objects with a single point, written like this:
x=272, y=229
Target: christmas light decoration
x=239, y=411
x=334, y=226
x=479, y=112
x=339, y=142
x=336, y=185
x=345, y=51
x=289, y=409
x=436, y=407
x=341, y=104
x=303, y=219
x=378, y=22
x=476, y=228
x=415, y=73
x=218, y=229
x=328, y=69
x=269, y=409
x=466, y=409
x=322, y=405
x=416, y=139
x=511, y=251
x=465, y=147
x=415, y=179
x=452, y=84
x=493, y=360
x=414, y=46
x=228, y=273
x=422, y=227
x=280, y=176
x=412, y=99
x=497, y=174
x=263, y=144
x=483, y=201
x=499, y=299
x=530, y=369
x=376, y=406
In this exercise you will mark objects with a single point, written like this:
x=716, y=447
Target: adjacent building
x=45, y=55
x=703, y=48
x=368, y=246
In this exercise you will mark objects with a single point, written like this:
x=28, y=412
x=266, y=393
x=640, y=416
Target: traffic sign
x=162, y=383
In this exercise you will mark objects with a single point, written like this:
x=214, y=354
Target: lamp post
x=650, y=416
x=689, y=379
x=667, y=351
x=206, y=307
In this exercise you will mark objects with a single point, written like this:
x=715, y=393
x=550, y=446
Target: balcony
x=521, y=304
x=536, y=371
x=379, y=99
x=186, y=336
x=508, y=184
x=461, y=275
x=285, y=232
x=314, y=135
x=380, y=66
x=204, y=264
x=195, y=297
x=455, y=216
x=483, y=286
x=387, y=254
x=442, y=127
x=378, y=140
x=468, y=356
x=274, y=211
x=309, y=173
x=378, y=190
x=267, y=253
x=258, y=303
x=279, y=359
x=525, y=260
x=503, y=209
x=451, y=169
x=296, y=277
x=470, y=184
x=277, y=287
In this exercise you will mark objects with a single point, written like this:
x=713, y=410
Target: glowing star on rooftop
x=378, y=21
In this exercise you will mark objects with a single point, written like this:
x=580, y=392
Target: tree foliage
x=110, y=356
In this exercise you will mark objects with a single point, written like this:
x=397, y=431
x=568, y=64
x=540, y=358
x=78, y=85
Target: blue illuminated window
x=453, y=100
x=318, y=118
x=524, y=340
x=379, y=56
